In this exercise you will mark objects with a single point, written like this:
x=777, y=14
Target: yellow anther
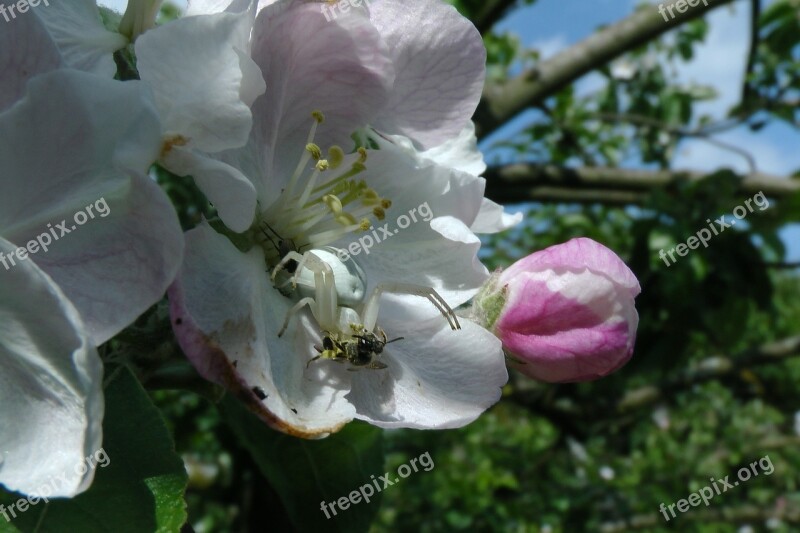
x=345, y=219
x=362, y=155
x=379, y=213
x=370, y=194
x=335, y=156
x=386, y=203
x=323, y=165
x=315, y=151
x=365, y=224
x=318, y=116
x=333, y=203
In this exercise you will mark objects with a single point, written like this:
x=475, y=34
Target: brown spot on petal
x=211, y=361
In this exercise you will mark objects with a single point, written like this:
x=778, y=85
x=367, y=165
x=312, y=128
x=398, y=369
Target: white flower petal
x=436, y=378
x=438, y=250
x=226, y=187
x=194, y=67
x=206, y=7
x=50, y=386
x=209, y=7
x=440, y=60
x=26, y=50
x=460, y=152
x=78, y=140
x=492, y=218
x=77, y=29
x=226, y=317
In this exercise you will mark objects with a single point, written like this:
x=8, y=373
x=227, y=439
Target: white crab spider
x=349, y=336
x=349, y=278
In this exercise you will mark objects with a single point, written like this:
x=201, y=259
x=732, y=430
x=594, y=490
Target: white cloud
x=720, y=61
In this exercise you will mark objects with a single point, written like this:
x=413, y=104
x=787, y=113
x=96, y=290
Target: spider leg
x=294, y=310
x=371, y=308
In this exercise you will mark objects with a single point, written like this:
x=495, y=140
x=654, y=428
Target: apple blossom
x=565, y=313
x=70, y=138
x=225, y=312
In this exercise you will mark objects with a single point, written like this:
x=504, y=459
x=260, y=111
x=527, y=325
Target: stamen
x=313, y=212
x=314, y=150
x=335, y=156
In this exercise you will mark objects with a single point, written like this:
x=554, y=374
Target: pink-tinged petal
x=436, y=378
x=557, y=338
x=341, y=68
x=26, y=50
x=566, y=313
x=578, y=255
x=226, y=316
x=82, y=39
x=50, y=386
x=194, y=68
x=77, y=147
x=440, y=61
x=226, y=187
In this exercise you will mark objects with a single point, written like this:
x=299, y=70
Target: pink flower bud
x=564, y=314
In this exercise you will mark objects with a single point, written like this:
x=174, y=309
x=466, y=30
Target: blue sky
x=552, y=25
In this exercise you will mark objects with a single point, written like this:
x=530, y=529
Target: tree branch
x=638, y=120
x=787, y=512
x=491, y=12
x=501, y=103
x=755, y=15
x=526, y=182
x=709, y=369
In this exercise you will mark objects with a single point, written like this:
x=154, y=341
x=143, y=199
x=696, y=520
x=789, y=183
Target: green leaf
x=140, y=490
x=306, y=473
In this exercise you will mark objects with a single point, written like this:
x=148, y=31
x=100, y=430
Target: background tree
x=712, y=385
